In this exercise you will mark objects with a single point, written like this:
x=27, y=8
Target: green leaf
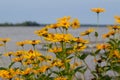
x=67, y=65
x=106, y=68
x=78, y=69
x=96, y=34
x=113, y=40
x=49, y=74
x=111, y=43
x=97, y=51
x=2, y=68
x=83, y=70
x=0, y=54
x=11, y=64
x=94, y=73
x=118, y=42
x=70, y=57
x=106, y=77
x=116, y=68
x=83, y=56
x=71, y=48
x=55, y=72
x=50, y=45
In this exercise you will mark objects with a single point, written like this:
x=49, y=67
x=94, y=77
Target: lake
x=27, y=33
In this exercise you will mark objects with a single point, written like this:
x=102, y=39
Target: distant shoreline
x=84, y=25
x=33, y=23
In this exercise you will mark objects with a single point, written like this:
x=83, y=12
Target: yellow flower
x=98, y=10
x=21, y=43
x=70, y=51
x=60, y=78
x=98, y=60
x=31, y=55
x=64, y=37
x=42, y=32
x=17, y=59
x=1, y=44
x=26, y=71
x=19, y=53
x=117, y=19
x=55, y=50
x=114, y=27
x=87, y=32
x=18, y=78
x=27, y=62
x=33, y=42
x=4, y=40
x=112, y=32
x=43, y=68
x=116, y=61
x=8, y=53
x=80, y=40
x=75, y=24
x=54, y=26
x=8, y=74
x=57, y=62
x=102, y=46
x=65, y=18
x=59, y=37
x=105, y=36
x=5, y=74
x=79, y=47
x=76, y=64
x=50, y=37
x=64, y=22
x=117, y=53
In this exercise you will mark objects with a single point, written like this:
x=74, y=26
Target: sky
x=47, y=11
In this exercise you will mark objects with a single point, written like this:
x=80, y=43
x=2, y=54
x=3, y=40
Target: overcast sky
x=47, y=11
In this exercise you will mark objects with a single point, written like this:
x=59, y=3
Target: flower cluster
x=65, y=56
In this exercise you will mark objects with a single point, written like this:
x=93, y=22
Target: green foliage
x=83, y=56
x=2, y=68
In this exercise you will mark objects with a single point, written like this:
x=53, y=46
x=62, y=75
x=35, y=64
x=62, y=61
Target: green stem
x=83, y=76
x=33, y=47
x=5, y=47
x=97, y=20
x=87, y=66
x=60, y=30
x=56, y=30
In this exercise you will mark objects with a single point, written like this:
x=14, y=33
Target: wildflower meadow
x=65, y=55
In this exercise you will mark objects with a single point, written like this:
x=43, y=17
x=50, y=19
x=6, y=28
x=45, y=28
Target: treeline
x=26, y=23
x=33, y=23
